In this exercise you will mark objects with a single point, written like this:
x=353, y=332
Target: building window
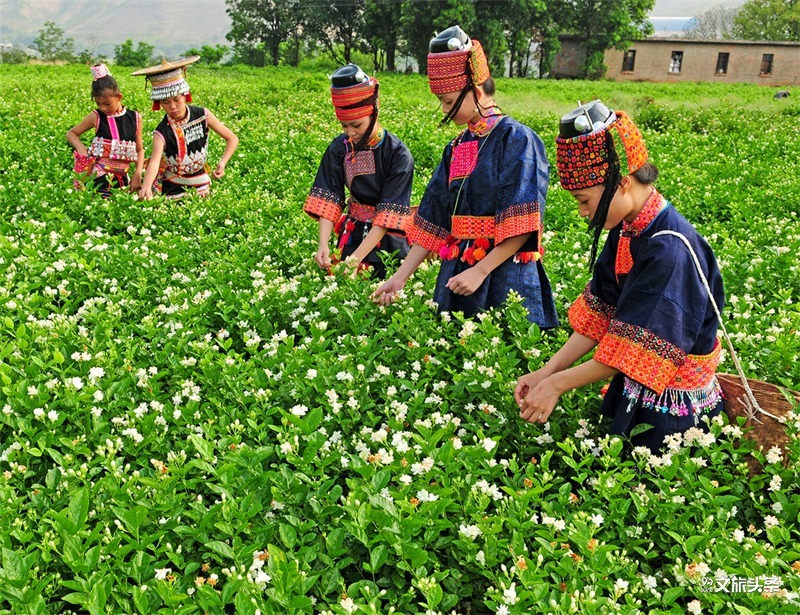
x=766, y=64
x=722, y=63
x=675, y=62
x=628, y=61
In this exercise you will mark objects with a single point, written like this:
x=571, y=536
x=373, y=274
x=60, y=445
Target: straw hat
x=168, y=78
x=165, y=66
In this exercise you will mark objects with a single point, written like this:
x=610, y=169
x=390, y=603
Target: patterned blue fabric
x=511, y=175
x=663, y=295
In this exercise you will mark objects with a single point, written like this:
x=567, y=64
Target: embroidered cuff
x=323, y=204
x=590, y=316
x=428, y=235
x=640, y=355
x=518, y=220
x=392, y=216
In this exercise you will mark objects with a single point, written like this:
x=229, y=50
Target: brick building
x=680, y=59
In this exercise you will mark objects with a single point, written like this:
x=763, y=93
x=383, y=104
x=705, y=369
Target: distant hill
x=99, y=26
x=172, y=27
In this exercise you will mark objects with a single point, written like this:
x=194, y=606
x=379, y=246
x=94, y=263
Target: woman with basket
x=647, y=312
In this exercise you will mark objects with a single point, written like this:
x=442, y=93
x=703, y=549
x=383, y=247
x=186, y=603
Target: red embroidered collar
x=484, y=126
x=652, y=207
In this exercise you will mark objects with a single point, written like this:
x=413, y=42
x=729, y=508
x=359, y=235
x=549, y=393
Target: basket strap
x=750, y=403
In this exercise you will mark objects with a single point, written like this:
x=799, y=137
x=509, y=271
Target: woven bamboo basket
x=766, y=430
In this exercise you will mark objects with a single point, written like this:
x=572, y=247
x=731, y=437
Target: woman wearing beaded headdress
x=376, y=169
x=178, y=161
x=483, y=209
x=647, y=310
x=117, y=140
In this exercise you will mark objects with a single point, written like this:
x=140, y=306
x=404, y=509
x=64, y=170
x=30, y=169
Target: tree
x=51, y=44
x=339, y=26
x=525, y=24
x=382, y=32
x=209, y=54
x=12, y=55
x=262, y=25
x=422, y=19
x=490, y=29
x=126, y=55
x=768, y=20
x=715, y=23
x=606, y=24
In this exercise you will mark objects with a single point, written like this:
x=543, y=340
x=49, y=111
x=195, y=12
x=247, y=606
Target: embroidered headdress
x=455, y=62
x=99, y=71
x=590, y=138
x=168, y=79
x=597, y=146
x=354, y=93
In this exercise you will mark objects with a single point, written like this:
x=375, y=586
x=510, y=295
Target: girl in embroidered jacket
x=483, y=208
x=377, y=169
x=180, y=141
x=117, y=141
x=645, y=310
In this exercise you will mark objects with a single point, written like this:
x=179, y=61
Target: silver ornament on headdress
x=582, y=124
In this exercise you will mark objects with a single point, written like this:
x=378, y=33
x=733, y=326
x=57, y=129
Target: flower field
x=194, y=419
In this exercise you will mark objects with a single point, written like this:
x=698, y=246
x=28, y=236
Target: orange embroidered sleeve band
x=590, y=316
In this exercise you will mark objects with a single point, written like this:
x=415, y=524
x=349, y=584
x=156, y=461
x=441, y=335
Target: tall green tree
x=768, y=20
x=422, y=19
x=606, y=24
x=126, y=55
x=382, y=32
x=490, y=28
x=52, y=45
x=262, y=25
x=339, y=26
x=527, y=26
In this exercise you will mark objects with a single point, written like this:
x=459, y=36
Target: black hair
x=104, y=83
x=489, y=88
x=647, y=174
x=362, y=143
x=610, y=186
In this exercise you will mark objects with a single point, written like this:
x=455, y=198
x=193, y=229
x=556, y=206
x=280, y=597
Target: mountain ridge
x=172, y=29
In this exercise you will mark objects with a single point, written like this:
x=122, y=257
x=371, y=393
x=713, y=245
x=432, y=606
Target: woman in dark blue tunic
x=376, y=168
x=646, y=309
x=483, y=209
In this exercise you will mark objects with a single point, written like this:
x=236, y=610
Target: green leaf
x=52, y=478
x=133, y=519
x=244, y=604
x=79, y=507
x=288, y=535
x=334, y=542
x=672, y=594
x=640, y=428
x=140, y=600
x=220, y=548
x=13, y=565
x=378, y=557
x=204, y=448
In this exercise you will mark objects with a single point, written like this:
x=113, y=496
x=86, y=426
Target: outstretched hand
x=323, y=257
x=387, y=293
x=536, y=395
